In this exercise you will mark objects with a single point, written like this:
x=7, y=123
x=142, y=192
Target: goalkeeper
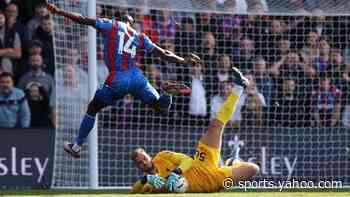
x=122, y=45
x=202, y=172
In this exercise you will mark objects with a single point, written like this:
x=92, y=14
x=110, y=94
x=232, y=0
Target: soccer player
x=202, y=172
x=121, y=46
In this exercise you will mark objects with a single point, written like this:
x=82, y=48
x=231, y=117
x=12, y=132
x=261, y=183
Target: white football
x=180, y=185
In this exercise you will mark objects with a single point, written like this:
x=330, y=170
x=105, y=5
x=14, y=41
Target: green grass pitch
x=115, y=193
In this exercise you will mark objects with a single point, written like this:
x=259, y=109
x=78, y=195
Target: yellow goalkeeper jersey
x=204, y=175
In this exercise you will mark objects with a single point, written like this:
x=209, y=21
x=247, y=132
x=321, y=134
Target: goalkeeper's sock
x=227, y=109
x=85, y=127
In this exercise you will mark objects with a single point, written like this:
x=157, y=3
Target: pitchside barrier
x=26, y=158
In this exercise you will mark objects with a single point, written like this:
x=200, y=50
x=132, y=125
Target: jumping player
x=121, y=45
x=202, y=171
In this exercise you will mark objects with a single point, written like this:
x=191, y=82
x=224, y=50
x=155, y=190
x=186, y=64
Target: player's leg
x=162, y=102
x=103, y=97
x=149, y=95
x=89, y=119
x=213, y=136
x=238, y=171
x=242, y=171
x=208, y=149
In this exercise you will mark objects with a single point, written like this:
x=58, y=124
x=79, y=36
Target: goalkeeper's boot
x=68, y=147
x=176, y=89
x=239, y=78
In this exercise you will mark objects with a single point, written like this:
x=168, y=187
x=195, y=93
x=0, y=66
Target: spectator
x=335, y=30
x=346, y=89
x=273, y=35
x=263, y=79
x=185, y=38
x=326, y=103
x=13, y=25
x=26, y=8
x=44, y=33
x=311, y=50
x=168, y=69
x=244, y=58
x=291, y=66
x=320, y=63
x=154, y=76
x=73, y=59
x=225, y=89
x=224, y=69
x=10, y=47
x=102, y=70
x=229, y=34
x=37, y=74
x=336, y=68
x=254, y=101
x=232, y=46
x=35, y=48
x=14, y=109
x=286, y=111
x=222, y=72
x=39, y=105
x=208, y=52
x=252, y=27
x=280, y=52
x=145, y=23
x=74, y=98
x=167, y=24
x=271, y=40
x=198, y=102
x=208, y=49
x=319, y=23
x=205, y=22
x=99, y=11
x=40, y=13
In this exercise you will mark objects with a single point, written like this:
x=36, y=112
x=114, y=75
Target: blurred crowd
x=298, y=66
x=27, y=64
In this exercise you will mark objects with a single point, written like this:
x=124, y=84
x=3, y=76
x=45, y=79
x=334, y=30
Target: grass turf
x=116, y=193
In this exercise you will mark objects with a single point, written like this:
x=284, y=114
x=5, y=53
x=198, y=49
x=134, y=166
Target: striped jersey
x=122, y=44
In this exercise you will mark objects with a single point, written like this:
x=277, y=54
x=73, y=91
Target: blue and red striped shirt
x=121, y=44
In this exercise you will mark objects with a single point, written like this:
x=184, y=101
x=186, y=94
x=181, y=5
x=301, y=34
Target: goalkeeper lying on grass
x=202, y=172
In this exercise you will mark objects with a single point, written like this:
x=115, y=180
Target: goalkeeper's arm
x=185, y=165
x=145, y=188
x=76, y=17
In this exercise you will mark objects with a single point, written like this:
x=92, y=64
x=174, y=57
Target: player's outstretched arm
x=76, y=17
x=172, y=57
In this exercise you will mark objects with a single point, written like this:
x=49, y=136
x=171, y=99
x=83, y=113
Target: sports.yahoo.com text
x=281, y=185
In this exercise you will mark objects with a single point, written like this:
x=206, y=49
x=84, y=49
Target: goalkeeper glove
x=155, y=180
x=172, y=179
